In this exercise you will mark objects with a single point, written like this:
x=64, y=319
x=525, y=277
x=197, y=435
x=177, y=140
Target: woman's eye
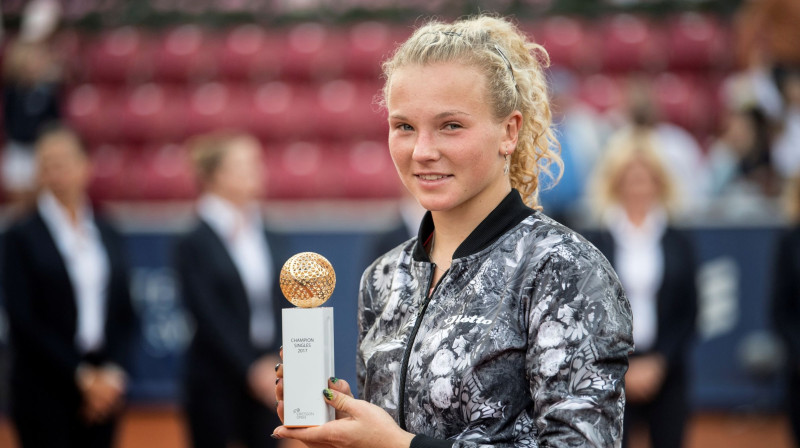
x=404, y=127
x=452, y=126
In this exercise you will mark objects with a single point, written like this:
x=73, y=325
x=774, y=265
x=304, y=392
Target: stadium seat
x=185, y=53
x=683, y=101
x=569, y=42
x=154, y=112
x=110, y=173
x=369, y=43
x=367, y=170
x=697, y=42
x=279, y=111
x=313, y=52
x=162, y=172
x=301, y=170
x=632, y=43
x=345, y=109
x=248, y=52
x=117, y=56
x=602, y=92
x=95, y=112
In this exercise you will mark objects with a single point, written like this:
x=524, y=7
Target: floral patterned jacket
x=523, y=342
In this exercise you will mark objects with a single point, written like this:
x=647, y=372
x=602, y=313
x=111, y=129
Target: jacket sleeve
x=785, y=310
x=681, y=307
x=198, y=291
x=31, y=334
x=123, y=324
x=579, y=338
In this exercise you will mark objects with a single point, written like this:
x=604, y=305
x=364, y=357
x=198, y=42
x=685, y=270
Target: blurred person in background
x=740, y=159
x=65, y=284
x=682, y=154
x=580, y=132
x=786, y=302
x=31, y=90
x=786, y=156
x=228, y=266
x=635, y=195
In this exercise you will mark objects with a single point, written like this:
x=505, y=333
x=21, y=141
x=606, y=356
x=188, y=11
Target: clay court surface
x=163, y=428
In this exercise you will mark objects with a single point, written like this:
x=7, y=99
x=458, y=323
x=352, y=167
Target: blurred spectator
x=786, y=302
x=65, y=285
x=787, y=143
x=228, y=268
x=636, y=194
x=682, y=155
x=581, y=134
x=30, y=100
x=740, y=160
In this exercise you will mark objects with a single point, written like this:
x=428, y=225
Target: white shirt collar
x=57, y=219
x=224, y=217
x=623, y=230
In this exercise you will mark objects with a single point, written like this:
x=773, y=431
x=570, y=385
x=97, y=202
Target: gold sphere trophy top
x=307, y=280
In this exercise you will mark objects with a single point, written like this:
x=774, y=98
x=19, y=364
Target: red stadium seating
x=302, y=170
x=95, y=112
x=345, y=109
x=185, y=54
x=367, y=171
x=568, y=41
x=312, y=52
x=118, y=55
x=602, y=92
x=683, y=100
x=369, y=43
x=280, y=111
x=697, y=42
x=154, y=113
x=631, y=43
x=249, y=52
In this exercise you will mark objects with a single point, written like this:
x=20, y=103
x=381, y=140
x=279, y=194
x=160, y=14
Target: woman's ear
x=512, y=125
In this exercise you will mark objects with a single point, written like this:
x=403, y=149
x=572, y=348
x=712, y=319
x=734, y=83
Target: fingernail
x=333, y=379
x=328, y=394
x=277, y=380
x=275, y=436
x=277, y=366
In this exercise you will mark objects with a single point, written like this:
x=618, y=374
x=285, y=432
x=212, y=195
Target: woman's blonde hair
x=622, y=150
x=514, y=68
x=207, y=151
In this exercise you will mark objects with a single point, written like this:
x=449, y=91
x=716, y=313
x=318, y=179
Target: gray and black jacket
x=523, y=342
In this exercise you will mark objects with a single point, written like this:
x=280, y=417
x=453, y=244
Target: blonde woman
x=636, y=196
x=495, y=326
x=228, y=269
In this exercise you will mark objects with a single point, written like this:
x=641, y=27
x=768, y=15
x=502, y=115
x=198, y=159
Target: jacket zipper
x=401, y=415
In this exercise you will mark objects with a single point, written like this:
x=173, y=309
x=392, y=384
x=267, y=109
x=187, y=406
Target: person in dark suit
x=65, y=284
x=786, y=303
x=655, y=263
x=228, y=268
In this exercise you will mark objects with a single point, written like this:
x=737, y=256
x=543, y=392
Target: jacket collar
x=508, y=213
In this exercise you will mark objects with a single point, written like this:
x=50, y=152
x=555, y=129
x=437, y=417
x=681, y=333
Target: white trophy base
x=307, y=365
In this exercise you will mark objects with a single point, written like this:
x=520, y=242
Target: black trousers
x=666, y=415
x=219, y=414
x=43, y=422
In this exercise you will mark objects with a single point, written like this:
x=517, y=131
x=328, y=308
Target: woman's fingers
x=339, y=385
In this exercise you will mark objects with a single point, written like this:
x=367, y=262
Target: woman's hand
x=366, y=426
x=644, y=378
x=334, y=383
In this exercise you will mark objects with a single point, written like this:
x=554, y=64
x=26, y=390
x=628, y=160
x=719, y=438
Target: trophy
x=307, y=280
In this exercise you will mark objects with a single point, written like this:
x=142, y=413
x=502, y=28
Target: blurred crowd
x=633, y=177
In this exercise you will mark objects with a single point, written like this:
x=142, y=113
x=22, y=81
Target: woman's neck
x=452, y=227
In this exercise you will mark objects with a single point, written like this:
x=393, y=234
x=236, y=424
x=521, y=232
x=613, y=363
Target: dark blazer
x=676, y=297
x=43, y=315
x=213, y=292
x=786, y=292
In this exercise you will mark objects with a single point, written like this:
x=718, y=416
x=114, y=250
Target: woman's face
x=240, y=176
x=446, y=145
x=63, y=168
x=638, y=185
